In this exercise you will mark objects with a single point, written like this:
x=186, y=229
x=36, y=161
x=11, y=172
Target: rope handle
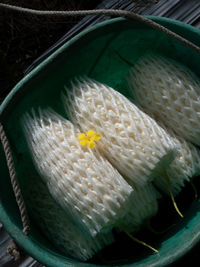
x=14, y=181
x=62, y=14
x=107, y=12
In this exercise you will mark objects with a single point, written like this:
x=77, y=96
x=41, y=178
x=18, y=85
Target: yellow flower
x=89, y=139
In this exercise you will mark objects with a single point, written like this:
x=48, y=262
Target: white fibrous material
x=185, y=166
x=169, y=91
x=58, y=228
x=130, y=139
x=144, y=206
x=83, y=182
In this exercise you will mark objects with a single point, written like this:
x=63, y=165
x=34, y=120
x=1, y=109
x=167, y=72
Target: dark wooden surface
x=187, y=11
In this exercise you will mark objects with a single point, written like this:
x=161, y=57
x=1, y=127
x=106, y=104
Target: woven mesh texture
x=144, y=206
x=57, y=226
x=130, y=139
x=185, y=166
x=171, y=92
x=81, y=180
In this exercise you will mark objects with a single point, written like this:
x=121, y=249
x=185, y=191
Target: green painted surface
x=95, y=53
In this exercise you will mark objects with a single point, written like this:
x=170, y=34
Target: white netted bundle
x=57, y=226
x=144, y=206
x=83, y=182
x=131, y=140
x=170, y=91
x=185, y=166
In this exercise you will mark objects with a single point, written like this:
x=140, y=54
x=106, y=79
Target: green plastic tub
x=95, y=53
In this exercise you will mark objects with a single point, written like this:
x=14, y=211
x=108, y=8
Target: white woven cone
x=171, y=92
x=185, y=166
x=144, y=206
x=130, y=139
x=58, y=228
x=81, y=180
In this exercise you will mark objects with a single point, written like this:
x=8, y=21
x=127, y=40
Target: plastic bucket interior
x=94, y=53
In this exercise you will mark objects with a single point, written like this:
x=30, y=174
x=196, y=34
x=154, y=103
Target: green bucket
x=94, y=53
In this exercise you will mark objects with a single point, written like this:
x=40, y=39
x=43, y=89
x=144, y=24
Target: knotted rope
x=13, y=251
x=63, y=14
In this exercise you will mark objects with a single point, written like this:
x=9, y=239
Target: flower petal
x=97, y=137
x=91, y=144
x=84, y=142
x=82, y=136
x=90, y=134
